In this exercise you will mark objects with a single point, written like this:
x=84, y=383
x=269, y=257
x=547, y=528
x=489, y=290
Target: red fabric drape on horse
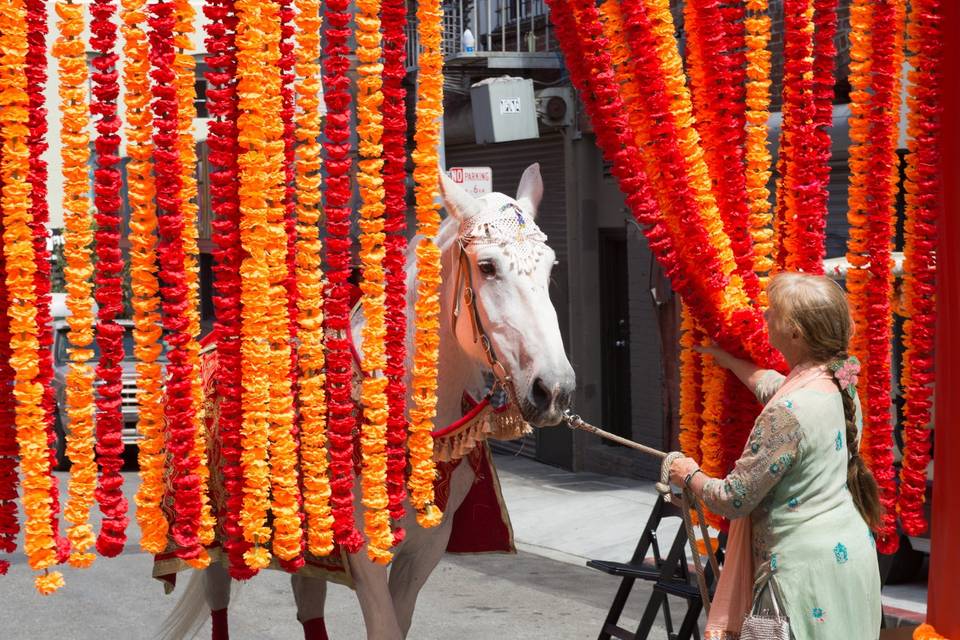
x=944, y=585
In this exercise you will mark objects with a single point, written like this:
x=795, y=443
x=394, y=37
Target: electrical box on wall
x=504, y=109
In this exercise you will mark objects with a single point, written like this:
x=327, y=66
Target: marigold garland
x=287, y=77
x=285, y=489
x=922, y=186
x=190, y=210
x=927, y=632
x=860, y=99
x=393, y=15
x=147, y=331
x=221, y=59
x=756, y=152
x=336, y=320
x=36, y=70
x=78, y=240
x=179, y=405
x=427, y=308
x=691, y=379
x=40, y=544
x=373, y=395
x=881, y=184
x=107, y=276
x=313, y=439
x=9, y=515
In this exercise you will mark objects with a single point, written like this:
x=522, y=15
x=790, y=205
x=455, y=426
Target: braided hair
x=817, y=308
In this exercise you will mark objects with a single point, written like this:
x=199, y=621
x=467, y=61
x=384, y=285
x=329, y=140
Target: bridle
x=465, y=295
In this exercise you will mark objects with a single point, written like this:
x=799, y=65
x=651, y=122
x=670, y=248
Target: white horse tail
x=188, y=615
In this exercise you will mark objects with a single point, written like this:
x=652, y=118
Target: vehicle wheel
x=63, y=462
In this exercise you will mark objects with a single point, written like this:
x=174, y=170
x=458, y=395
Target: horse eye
x=487, y=268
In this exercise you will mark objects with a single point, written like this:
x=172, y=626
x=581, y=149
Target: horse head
x=502, y=315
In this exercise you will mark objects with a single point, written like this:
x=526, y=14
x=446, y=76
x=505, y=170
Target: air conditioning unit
x=556, y=106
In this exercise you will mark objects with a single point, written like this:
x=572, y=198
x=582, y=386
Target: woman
x=800, y=494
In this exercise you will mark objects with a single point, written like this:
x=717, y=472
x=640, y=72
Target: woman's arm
x=763, y=382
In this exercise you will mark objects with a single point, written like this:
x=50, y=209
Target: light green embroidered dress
x=792, y=482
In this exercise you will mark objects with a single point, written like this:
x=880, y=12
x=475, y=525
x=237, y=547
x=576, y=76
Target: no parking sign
x=474, y=180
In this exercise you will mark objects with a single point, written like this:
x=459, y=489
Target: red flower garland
x=393, y=21
x=228, y=257
x=179, y=405
x=287, y=60
x=719, y=98
x=882, y=163
x=586, y=55
x=108, y=294
x=336, y=322
x=923, y=206
x=9, y=450
x=36, y=71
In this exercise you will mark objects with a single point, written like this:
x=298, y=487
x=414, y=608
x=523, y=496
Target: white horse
x=492, y=245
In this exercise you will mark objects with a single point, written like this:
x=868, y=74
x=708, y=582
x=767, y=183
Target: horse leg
x=216, y=582
x=310, y=595
x=370, y=582
x=422, y=549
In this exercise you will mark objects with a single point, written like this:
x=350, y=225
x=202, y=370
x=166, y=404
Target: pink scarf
x=734, y=594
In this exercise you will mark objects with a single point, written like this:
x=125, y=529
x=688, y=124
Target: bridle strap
x=465, y=293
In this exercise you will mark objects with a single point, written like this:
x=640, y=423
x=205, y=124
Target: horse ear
x=530, y=191
x=458, y=203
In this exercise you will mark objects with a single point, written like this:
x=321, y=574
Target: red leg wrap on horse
x=219, y=620
x=315, y=629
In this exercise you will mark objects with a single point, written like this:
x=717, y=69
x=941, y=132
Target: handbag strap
x=767, y=580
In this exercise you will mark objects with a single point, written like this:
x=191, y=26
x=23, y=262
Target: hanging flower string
x=857, y=257
x=394, y=17
x=221, y=60
x=757, y=155
x=36, y=70
x=147, y=331
x=313, y=439
x=922, y=184
x=691, y=424
x=373, y=397
x=179, y=405
x=284, y=485
x=9, y=515
x=880, y=185
x=78, y=239
x=190, y=210
x=40, y=542
x=336, y=320
x=107, y=277
x=291, y=292
x=427, y=308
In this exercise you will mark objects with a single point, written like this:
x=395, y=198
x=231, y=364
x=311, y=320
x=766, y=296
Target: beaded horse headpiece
x=515, y=232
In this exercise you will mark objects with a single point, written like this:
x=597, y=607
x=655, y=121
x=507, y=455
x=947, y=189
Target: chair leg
x=616, y=609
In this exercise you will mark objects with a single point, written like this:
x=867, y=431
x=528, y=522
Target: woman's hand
x=721, y=357
x=680, y=469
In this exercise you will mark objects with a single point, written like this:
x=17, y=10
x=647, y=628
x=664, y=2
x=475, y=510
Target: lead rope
x=686, y=496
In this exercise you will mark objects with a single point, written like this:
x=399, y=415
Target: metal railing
x=498, y=26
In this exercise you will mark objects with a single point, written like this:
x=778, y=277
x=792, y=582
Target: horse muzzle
x=547, y=398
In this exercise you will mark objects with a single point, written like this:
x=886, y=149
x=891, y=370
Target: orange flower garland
x=691, y=425
x=313, y=438
x=860, y=99
x=373, y=396
x=427, y=308
x=285, y=487
x=39, y=537
x=147, y=330
x=186, y=112
x=927, y=632
x=78, y=238
x=757, y=154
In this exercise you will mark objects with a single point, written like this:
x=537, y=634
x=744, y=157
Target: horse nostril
x=541, y=395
